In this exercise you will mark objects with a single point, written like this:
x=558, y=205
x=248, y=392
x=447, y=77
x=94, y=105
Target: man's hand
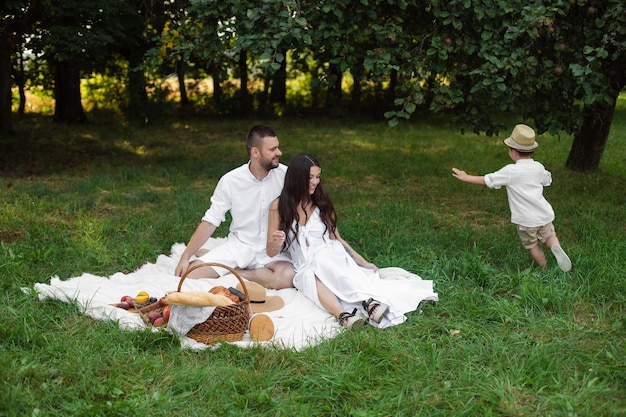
x=182, y=267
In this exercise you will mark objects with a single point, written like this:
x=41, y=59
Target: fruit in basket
x=166, y=313
x=128, y=299
x=153, y=315
x=158, y=322
x=123, y=304
x=142, y=297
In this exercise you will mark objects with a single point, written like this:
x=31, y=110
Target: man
x=246, y=192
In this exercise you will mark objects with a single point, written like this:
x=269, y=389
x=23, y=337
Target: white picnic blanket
x=298, y=325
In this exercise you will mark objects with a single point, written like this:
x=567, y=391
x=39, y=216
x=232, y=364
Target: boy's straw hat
x=522, y=139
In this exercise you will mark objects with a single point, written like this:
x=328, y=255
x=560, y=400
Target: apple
x=166, y=313
x=159, y=322
x=128, y=299
x=123, y=304
x=153, y=315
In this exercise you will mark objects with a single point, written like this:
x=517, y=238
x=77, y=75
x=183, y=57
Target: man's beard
x=269, y=165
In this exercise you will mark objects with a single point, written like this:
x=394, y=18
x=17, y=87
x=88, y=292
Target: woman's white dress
x=314, y=253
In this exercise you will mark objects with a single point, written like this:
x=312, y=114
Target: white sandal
x=350, y=320
x=377, y=308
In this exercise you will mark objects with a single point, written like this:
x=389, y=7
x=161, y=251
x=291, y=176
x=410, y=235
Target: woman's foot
x=350, y=320
x=375, y=309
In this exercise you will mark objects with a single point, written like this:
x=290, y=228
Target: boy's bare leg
x=551, y=241
x=275, y=275
x=540, y=258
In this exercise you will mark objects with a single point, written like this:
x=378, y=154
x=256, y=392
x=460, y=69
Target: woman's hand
x=275, y=243
x=370, y=265
x=278, y=237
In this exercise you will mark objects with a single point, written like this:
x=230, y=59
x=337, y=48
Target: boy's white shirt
x=524, y=181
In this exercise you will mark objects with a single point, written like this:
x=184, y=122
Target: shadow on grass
x=38, y=146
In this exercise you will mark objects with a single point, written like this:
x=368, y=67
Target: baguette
x=197, y=299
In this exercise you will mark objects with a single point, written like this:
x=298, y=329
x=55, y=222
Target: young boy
x=524, y=181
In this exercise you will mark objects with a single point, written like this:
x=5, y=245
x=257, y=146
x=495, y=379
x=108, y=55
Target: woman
x=303, y=221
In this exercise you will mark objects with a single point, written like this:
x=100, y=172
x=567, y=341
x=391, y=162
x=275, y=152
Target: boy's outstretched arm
x=465, y=177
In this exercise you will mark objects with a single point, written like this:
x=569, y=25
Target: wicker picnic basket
x=226, y=323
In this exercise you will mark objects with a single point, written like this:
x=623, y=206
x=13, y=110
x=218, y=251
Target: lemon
x=142, y=297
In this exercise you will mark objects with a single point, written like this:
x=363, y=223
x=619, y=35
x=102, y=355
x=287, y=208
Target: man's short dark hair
x=256, y=135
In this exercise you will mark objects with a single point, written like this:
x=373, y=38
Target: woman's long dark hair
x=296, y=192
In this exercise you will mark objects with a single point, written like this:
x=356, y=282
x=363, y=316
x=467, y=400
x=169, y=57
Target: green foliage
x=559, y=64
x=504, y=339
x=480, y=59
x=69, y=30
x=540, y=60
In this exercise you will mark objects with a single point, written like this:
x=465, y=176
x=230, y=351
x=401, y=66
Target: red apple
x=166, y=313
x=123, y=304
x=128, y=299
x=153, y=315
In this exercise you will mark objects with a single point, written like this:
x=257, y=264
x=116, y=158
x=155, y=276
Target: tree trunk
x=588, y=146
x=68, y=107
x=391, y=89
x=137, y=96
x=589, y=143
x=357, y=90
x=21, y=88
x=180, y=73
x=20, y=79
x=6, y=122
x=217, y=86
x=264, y=109
x=278, y=94
x=334, y=93
x=244, y=95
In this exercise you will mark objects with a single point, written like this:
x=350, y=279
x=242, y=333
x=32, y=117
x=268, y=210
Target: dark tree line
x=560, y=63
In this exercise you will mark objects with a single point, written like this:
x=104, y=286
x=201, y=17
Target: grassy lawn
x=504, y=339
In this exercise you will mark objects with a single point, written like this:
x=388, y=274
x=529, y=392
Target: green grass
x=504, y=339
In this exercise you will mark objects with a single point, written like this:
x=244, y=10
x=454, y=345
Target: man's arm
x=203, y=232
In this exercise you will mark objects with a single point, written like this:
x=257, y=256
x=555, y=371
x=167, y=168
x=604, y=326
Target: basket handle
x=219, y=265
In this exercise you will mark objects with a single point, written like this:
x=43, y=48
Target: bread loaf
x=197, y=299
